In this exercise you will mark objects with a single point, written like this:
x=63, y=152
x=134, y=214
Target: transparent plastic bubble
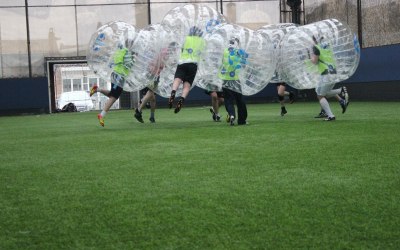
x=252, y=54
x=296, y=50
x=180, y=22
x=169, y=54
x=149, y=57
x=105, y=42
x=181, y=19
x=276, y=32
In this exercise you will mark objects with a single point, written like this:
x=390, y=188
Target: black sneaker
x=178, y=106
x=171, y=100
x=214, y=116
x=344, y=94
x=345, y=101
x=217, y=118
x=232, y=120
x=322, y=114
x=138, y=116
x=330, y=119
x=283, y=111
x=343, y=104
x=152, y=120
x=291, y=97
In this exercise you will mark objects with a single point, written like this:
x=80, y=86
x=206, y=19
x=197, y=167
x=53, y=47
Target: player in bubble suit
x=123, y=62
x=277, y=32
x=281, y=91
x=187, y=66
x=149, y=96
x=155, y=69
x=322, y=56
x=217, y=99
x=149, y=101
x=342, y=95
x=232, y=62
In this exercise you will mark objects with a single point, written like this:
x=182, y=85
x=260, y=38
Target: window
x=77, y=84
x=103, y=84
x=67, y=85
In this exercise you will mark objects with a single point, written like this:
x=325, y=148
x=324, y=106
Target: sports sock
x=325, y=106
x=103, y=113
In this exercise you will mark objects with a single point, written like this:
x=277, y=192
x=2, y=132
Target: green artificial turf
x=187, y=182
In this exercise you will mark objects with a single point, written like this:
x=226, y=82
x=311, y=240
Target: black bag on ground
x=70, y=107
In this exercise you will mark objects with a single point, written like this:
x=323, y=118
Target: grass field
x=187, y=182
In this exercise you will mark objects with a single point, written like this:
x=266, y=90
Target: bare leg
x=153, y=102
x=96, y=89
x=175, y=86
x=149, y=97
x=111, y=100
x=281, y=96
x=215, y=102
x=185, y=93
x=105, y=92
x=186, y=89
x=281, y=93
x=220, y=101
x=176, y=83
x=106, y=108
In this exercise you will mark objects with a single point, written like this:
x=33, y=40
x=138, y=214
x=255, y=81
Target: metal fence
x=377, y=22
x=31, y=30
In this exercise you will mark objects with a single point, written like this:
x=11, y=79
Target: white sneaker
x=232, y=120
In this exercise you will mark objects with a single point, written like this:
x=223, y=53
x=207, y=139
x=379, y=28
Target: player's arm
x=315, y=55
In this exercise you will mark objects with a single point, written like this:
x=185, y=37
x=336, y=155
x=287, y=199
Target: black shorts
x=280, y=84
x=219, y=94
x=115, y=91
x=116, y=82
x=186, y=72
x=144, y=91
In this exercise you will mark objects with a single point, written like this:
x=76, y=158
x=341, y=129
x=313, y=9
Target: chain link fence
x=377, y=22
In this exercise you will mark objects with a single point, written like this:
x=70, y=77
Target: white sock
x=325, y=106
x=103, y=113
